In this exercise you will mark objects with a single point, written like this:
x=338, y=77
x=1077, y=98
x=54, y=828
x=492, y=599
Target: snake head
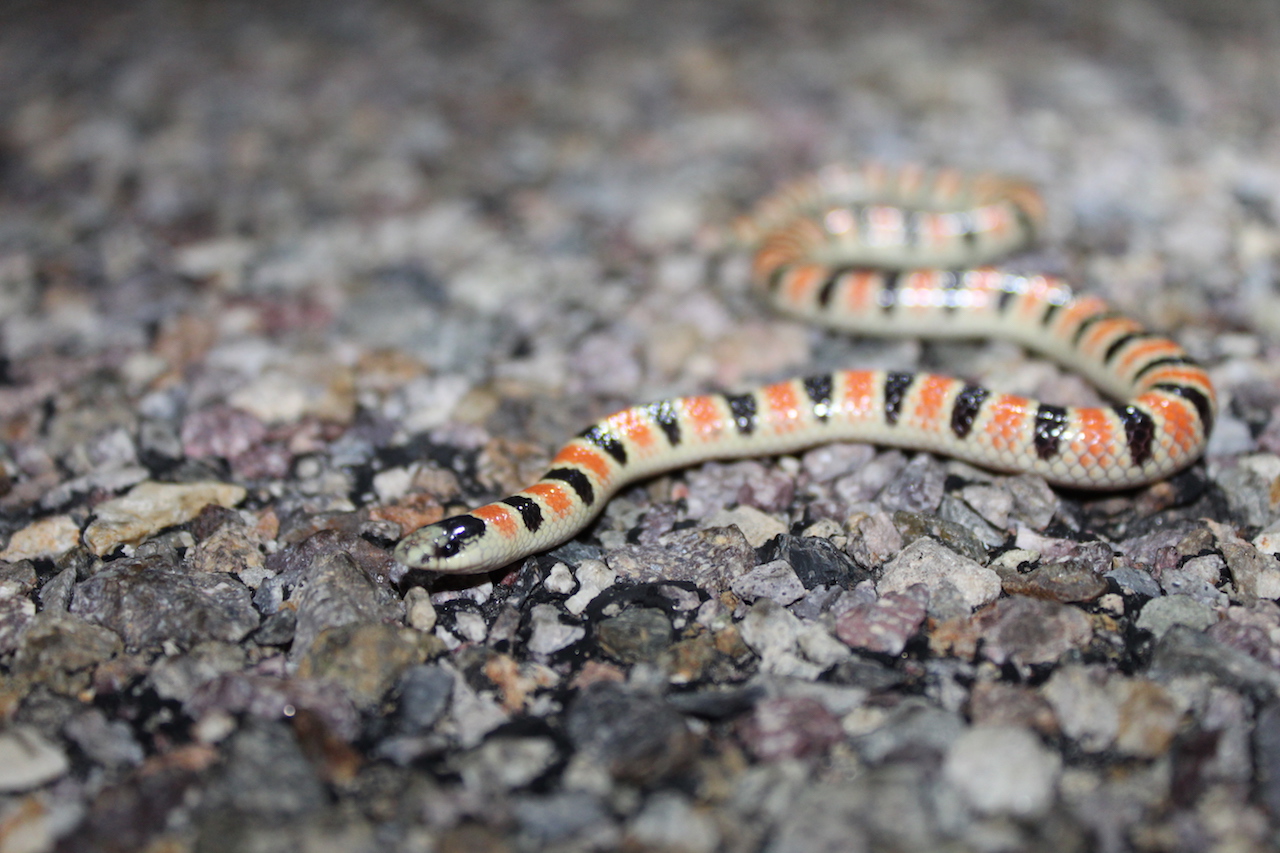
x=451, y=546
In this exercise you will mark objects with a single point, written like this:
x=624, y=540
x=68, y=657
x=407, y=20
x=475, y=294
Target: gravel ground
x=280, y=282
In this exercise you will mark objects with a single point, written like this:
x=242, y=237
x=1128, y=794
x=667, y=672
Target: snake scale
x=881, y=250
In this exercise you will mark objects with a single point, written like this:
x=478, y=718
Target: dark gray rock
x=151, y=601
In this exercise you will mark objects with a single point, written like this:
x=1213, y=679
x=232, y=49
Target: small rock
x=789, y=727
x=150, y=601
x=177, y=677
x=669, y=821
x=229, y=549
x=1087, y=712
x=1135, y=581
x=775, y=580
x=266, y=773
x=918, y=488
x=505, y=763
x=926, y=562
x=709, y=558
x=150, y=507
x=1064, y=581
x=886, y=625
x=423, y=692
x=559, y=580
x=956, y=537
x=997, y=704
x=28, y=760
x=1188, y=651
x=773, y=632
x=635, y=736
x=594, y=577
x=1029, y=631
x=1254, y=573
x=48, y=537
x=366, y=659
x=419, y=612
x=758, y=527
x=876, y=540
x=1160, y=614
x=563, y=816
x=549, y=634
x=816, y=562
x=108, y=742
x=634, y=635
x=1003, y=771
x=991, y=502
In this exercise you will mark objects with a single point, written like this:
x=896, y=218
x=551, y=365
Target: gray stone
x=1161, y=614
x=634, y=635
x=775, y=580
x=151, y=601
x=1003, y=771
x=28, y=760
x=926, y=562
x=550, y=635
x=634, y=735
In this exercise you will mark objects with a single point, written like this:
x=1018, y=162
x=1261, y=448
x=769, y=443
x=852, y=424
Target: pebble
x=710, y=558
x=178, y=677
x=934, y=566
x=150, y=507
x=1029, y=631
x=593, y=578
x=756, y=526
x=15, y=615
x=265, y=774
x=58, y=649
x=669, y=821
x=328, y=590
x=1254, y=573
x=1100, y=711
x=789, y=727
x=876, y=540
x=366, y=659
x=1003, y=771
x=887, y=624
x=1161, y=614
x=565, y=817
x=957, y=537
x=422, y=697
x=108, y=742
x=995, y=703
x=773, y=633
x=419, y=612
x=48, y=537
x=28, y=760
x=549, y=635
x=918, y=488
x=1183, y=650
x=1134, y=581
x=506, y=763
x=633, y=735
x=816, y=562
x=560, y=580
x=1064, y=581
x=912, y=728
x=775, y=580
x=636, y=634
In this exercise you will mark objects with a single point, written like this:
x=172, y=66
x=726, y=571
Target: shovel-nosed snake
x=881, y=251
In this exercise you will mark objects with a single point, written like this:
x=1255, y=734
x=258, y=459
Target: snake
x=881, y=250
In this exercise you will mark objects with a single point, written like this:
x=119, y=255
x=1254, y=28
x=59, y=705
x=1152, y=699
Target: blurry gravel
x=281, y=282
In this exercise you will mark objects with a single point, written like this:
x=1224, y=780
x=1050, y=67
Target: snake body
x=881, y=251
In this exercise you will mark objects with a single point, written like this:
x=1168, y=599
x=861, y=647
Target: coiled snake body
x=877, y=251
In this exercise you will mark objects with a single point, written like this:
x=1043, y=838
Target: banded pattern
x=872, y=251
